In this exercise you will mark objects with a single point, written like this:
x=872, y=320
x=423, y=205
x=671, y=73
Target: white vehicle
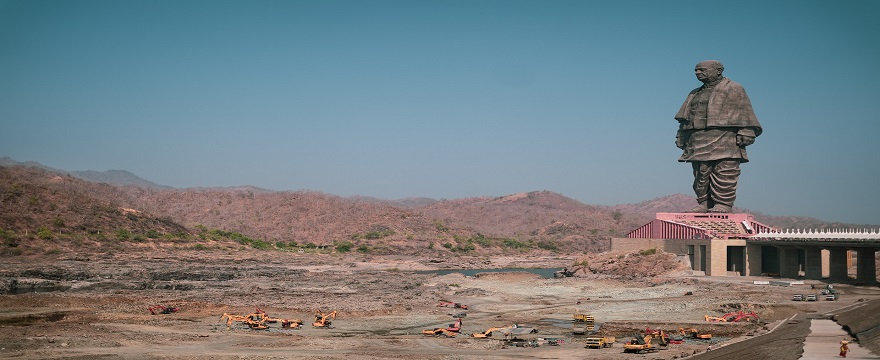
x=797, y=297
x=811, y=297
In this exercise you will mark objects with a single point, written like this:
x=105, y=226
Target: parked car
x=811, y=297
x=797, y=297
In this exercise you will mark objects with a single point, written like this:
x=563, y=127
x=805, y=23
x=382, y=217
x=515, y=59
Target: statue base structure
x=713, y=244
x=735, y=244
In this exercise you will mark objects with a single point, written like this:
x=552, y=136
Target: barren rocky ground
x=95, y=307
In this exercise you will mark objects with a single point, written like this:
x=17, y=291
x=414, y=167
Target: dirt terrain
x=95, y=307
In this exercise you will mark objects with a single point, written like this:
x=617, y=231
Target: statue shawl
x=729, y=106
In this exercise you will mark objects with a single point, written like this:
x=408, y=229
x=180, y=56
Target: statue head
x=709, y=71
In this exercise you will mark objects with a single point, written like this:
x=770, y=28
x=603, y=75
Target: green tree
x=44, y=233
x=344, y=247
x=123, y=234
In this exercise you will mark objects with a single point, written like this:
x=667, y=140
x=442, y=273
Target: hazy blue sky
x=444, y=99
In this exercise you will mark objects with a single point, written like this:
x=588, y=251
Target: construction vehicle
x=566, y=272
x=253, y=321
x=583, y=324
x=159, y=309
x=487, y=333
x=456, y=326
x=715, y=318
x=829, y=289
x=230, y=318
x=285, y=323
x=516, y=342
x=440, y=331
x=733, y=317
x=449, y=331
x=639, y=345
x=659, y=334
x=694, y=333
x=600, y=342
x=444, y=303
x=322, y=320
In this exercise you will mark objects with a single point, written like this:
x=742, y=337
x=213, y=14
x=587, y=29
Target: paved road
x=824, y=342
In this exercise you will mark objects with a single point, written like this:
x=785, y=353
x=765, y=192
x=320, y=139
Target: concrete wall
x=818, y=262
x=716, y=254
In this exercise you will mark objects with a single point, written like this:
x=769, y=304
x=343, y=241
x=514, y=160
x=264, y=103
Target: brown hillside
x=539, y=215
x=40, y=204
x=301, y=217
x=39, y=207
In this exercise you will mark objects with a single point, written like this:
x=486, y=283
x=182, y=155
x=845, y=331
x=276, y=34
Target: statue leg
x=702, y=176
x=723, y=180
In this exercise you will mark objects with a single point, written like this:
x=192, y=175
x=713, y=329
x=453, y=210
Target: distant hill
x=46, y=209
x=38, y=198
x=117, y=177
x=114, y=177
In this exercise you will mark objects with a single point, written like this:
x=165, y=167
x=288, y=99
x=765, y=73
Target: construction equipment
x=829, y=289
x=715, y=318
x=639, y=345
x=515, y=342
x=449, y=331
x=444, y=303
x=733, y=317
x=258, y=320
x=285, y=323
x=159, y=309
x=439, y=332
x=694, y=333
x=659, y=334
x=487, y=333
x=230, y=318
x=253, y=321
x=456, y=326
x=583, y=324
x=322, y=320
x=566, y=272
x=600, y=342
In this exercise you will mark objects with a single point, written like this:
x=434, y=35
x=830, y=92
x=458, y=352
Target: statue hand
x=744, y=140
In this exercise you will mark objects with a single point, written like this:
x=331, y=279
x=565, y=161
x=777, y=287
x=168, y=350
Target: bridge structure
x=737, y=245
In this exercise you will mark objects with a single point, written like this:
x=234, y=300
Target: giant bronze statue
x=715, y=124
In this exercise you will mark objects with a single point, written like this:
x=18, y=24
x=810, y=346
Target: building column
x=789, y=266
x=837, y=264
x=826, y=261
x=717, y=259
x=813, y=266
x=866, y=268
x=753, y=260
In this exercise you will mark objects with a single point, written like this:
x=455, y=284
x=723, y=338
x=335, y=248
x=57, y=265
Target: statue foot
x=700, y=208
x=720, y=209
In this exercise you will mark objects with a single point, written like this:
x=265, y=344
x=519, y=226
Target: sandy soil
x=98, y=308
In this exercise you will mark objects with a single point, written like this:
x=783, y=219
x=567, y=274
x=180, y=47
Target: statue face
x=707, y=72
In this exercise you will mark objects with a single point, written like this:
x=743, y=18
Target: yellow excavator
x=487, y=333
x=450, y=331
x=254, y=321
x=439, y=331
x=322, y=320
x=640, y=345
x=262, y=316
x=694, y=333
